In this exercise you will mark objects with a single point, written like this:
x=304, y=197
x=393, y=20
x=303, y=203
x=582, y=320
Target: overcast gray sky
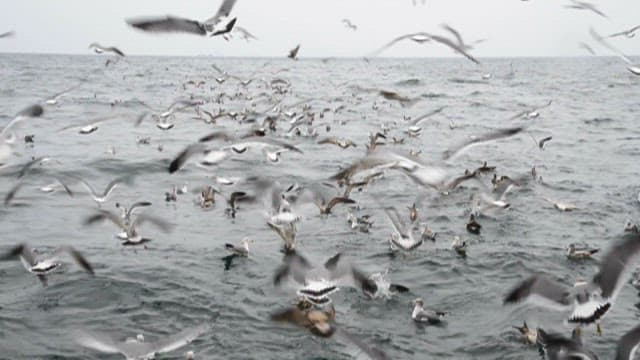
x=511, y=27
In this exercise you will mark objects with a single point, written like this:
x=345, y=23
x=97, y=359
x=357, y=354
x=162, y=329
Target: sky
x=510, y=27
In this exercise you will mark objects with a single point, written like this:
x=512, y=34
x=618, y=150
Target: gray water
x=179, y=281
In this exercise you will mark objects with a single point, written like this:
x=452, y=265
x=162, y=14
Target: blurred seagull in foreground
x=316, y=283
x=589, y=301
x=7, y=34
x=628, y=33
x=171, y=23
x=44, y=265
x=633, y=68
x=138, y=349
x=293, y=53
x=583, y=5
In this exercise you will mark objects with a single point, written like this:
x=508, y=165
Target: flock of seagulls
x=313, y=285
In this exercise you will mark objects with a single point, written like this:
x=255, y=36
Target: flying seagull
x=421, y=37
x=628, y=33
x=583, y=5
x=293, y=53
x=42, y=266
x=99, y=49
x=633, y=68
x=7, y=34
x=171, y=23
x=628, y=344
x=349, y=24
x=587, y=301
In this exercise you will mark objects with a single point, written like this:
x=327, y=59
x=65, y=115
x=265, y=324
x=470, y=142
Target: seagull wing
x=167, y=24
x=97, y=341
x=604, y=43
x=454, y=47
x=23, y=251
x=372, y=352
x=396, y=222
x=102, y=215
x=158, y=222
x=223, y=11
x=179, y=161
x=628, y=344
x=295, y=266
x=615, y=263
x=396, y=40
x=179, y=340
x=539, y=287
x=77, y=257
x=491, y=136
x=455, y=33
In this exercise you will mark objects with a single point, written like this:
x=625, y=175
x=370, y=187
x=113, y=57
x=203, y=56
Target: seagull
x=14, y=190
x=460, y=42
x=127, y=212
x=628, y=344
x=587, y=301
x=583, y=5
x=293, y=53
x=349, y=24
x=385, y=288
x=473, y=226
x=171, y=23
x=132, y=236
x=459, y=246
x=422, y=315
x=577, y=252
x=53, y=100
x=558, y=347
x=453, y=152
x=587, y=48
x=529, y=335
x=420, y=173
x=99, y=49
x=317, y=283
x=245, y=34
x=42, y=266
x=31, y=111
x=540, y=143
x=634, y=69
x=422, y=37
x=402, y=236
x=322, y=323
x=138, y=349
x=342, y=143
x=561, y=206
x=236, y=251
x=628, y=33
x=287, y=233
x=321, y=199
x=419, y=37
x=100, y=197
x=7, y=34
x=90, y=127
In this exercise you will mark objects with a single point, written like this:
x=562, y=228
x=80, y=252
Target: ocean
x=179, y=280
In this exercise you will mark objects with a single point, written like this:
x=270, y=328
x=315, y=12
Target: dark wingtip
x=174, y=166
x=399, y=288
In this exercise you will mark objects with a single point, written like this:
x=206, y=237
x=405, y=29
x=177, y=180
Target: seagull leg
x=599, y=329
